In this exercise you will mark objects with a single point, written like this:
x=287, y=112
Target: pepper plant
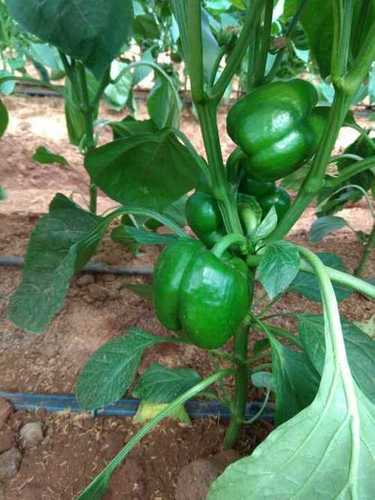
x=204, y=288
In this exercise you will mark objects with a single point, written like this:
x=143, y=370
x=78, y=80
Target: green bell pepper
x=277, y=127
x=279, y=199
x=201, y=294
x=204, y=218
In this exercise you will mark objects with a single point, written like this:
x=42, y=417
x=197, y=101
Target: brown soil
x=76, y=448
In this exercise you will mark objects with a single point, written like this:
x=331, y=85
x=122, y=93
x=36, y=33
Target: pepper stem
x=227, y=241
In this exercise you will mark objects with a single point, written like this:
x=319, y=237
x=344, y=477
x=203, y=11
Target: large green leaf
x=325, y=225
x=325, y=452
x=295, y=381
x=93, y=31
x=360, y=349
x=151, y=170
x=160, y=384
x=59, y=246
x=4, y=118
x=107, y=375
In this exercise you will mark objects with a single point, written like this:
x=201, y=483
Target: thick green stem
x=315, y=178
x=261, y=59
x=220, y=187
x=241, y=388
x=366, y=253
x=227, y=241
x=238, y=406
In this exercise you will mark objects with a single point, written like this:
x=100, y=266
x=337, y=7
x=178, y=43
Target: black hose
x=92, y=267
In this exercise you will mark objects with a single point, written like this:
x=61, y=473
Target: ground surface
x=96, y=309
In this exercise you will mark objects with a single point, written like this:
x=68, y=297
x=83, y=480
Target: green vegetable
x=252, y=186
x=204, y=217
x=278, y=128
x=200, y=294
x=279, y=199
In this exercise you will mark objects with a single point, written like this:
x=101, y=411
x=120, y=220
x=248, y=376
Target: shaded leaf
x=360, y=350
x=4, y=118
x=307, y=284
x=295, y=381
x=93, y=31
x=325, y=225
x=160, y=384
x=148, y=170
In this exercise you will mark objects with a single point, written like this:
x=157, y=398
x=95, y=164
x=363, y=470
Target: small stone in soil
x=31, y=434
x=6, y=409
x=9, y=463
x=7, y=439
x=85, y=279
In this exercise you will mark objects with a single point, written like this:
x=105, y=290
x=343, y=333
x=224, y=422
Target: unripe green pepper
x=279, y=199
x=204, y=218
x=200, y=294
x=252, y=186
x=277, y=127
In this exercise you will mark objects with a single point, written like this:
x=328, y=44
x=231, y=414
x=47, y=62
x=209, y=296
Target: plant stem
x=351, y=170
x=234, y=61
x=228, y=240
x=241, y=388
x=219, y=184
x=89, y=126
x=261, y=60
x=279, y=56
x=195, y=56
x=315, y=178
x=238, y=405
x=366, y=253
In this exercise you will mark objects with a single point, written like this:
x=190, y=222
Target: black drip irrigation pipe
x=92, y=267
x=55, y=403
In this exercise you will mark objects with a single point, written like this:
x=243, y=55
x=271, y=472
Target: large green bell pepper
x=277, y=127
x=200, y=294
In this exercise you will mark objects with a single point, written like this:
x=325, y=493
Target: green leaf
x=129, y=127
x=117, y=94
x=211, y=48
x=267, y=226
x=325, y=225
x=109, y=372
x=278, y=267
x=75, y=119
x=145, y=26
x=4, y=118
x=46, y=55
x=263, y=380
x=126, y=234
x=148, y=170
x=46, y=157
x=162, y=105
x=160, y=384
x=325, y=452
x=60, y=245
x=147, y=411
x=93, y=31
x=3, y=194
x=307, y=284
x=360, y=350
x=295, y=381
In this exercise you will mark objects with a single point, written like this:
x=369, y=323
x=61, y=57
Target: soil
x=75, y=448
